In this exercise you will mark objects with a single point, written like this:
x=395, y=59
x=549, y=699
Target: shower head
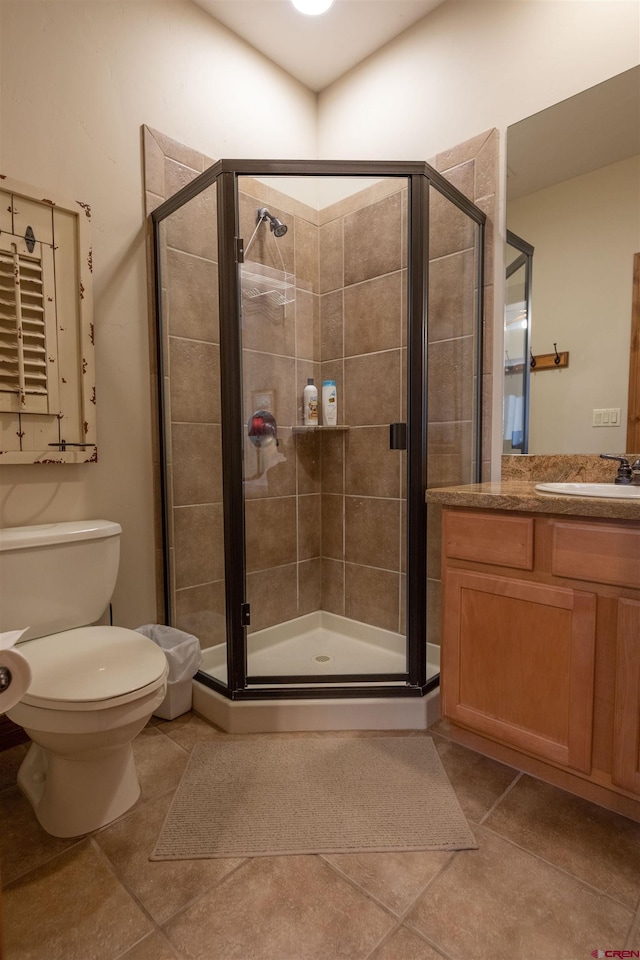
x=278, y=228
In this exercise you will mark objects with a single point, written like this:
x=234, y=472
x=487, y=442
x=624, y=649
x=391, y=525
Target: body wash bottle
x=310, y=404
x=329, y=403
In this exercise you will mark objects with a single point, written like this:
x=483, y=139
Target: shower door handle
x=397, y=436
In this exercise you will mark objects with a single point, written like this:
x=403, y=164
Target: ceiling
x=318, y=50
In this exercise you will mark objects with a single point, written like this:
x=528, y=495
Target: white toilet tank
x=57, y=576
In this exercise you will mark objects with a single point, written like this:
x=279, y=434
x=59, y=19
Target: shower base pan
x=320, y=643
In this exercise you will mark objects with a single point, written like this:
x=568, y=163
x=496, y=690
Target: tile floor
x=554, y=877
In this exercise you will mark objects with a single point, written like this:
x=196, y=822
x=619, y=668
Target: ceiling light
x=312, y=7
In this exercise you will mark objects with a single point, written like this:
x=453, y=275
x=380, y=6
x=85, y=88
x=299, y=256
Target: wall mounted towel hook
x=550, y=361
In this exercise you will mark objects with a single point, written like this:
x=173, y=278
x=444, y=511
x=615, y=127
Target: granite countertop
x=522, y=495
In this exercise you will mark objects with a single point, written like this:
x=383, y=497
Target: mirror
x=573, y=194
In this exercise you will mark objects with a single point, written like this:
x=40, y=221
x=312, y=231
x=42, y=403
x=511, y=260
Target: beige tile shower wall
x=472, y=168
x=192, y=386
x=362, y=282
x=195, y=416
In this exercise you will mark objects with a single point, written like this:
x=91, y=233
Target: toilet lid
x=89, y=665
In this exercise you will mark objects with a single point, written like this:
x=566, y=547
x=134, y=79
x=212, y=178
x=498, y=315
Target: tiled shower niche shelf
x=325, y=429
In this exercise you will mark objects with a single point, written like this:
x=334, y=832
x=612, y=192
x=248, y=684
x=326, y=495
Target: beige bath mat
x=257, y=798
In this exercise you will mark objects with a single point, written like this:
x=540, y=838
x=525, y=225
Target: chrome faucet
x=635, y=472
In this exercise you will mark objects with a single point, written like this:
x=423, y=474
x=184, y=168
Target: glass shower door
x=190, y=394
x=323, y=299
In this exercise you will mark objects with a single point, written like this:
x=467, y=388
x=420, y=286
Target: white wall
x=467, y=67
x=585, y=232
x=78, y=81
x=471, y=65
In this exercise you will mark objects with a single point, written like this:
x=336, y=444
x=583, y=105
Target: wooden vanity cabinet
x=626, y=739
x=541, y=640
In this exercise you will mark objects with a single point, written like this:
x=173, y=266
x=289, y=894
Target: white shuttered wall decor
x=27, y=328
x=47, y=363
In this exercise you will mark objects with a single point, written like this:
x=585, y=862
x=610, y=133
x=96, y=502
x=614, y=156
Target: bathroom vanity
x=541, y=634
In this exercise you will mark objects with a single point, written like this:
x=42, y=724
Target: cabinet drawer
x=601, y=554
x=489, y=538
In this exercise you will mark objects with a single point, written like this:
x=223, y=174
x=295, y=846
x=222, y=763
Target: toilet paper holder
x=5, y=678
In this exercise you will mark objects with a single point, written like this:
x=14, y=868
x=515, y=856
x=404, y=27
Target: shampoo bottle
x=329, y=403
x=310, y=404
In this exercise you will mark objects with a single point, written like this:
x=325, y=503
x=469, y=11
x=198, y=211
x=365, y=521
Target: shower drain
x=321, y=658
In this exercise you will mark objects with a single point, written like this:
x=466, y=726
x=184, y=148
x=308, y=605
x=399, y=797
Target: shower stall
x=297, y=551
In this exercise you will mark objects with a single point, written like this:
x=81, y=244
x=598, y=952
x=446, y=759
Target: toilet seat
x=92, y=668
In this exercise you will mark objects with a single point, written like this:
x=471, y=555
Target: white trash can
x=183, y=656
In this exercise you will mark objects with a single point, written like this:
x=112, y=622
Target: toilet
x=93, y=688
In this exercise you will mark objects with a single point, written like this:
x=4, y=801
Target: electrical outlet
x=606, y=417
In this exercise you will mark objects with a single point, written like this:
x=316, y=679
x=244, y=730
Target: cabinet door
x=519, y=664
x=626, y=742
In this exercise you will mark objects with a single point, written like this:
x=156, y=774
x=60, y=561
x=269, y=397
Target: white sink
x=616, y=490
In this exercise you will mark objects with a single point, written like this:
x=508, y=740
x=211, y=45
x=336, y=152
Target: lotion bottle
x=329, y=403
x=310, y=404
